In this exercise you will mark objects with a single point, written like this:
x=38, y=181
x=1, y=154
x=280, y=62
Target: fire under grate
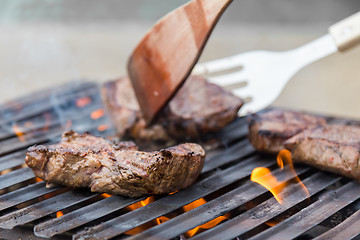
x=231, y=206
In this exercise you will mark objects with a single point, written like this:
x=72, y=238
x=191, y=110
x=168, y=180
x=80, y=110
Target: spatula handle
x=346, y=33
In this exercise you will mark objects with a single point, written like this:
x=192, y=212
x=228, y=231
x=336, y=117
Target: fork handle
x=346, y=33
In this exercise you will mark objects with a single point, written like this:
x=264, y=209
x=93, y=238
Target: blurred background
x=44, y=43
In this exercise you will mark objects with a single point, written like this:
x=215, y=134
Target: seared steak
x=83, y=160
x=334, y=148
x=199, y=107
x=330, y=147
x=269, y=130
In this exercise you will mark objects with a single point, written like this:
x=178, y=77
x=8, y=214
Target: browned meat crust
x=330, y=147
x=83, y=160
x=333, y=148
x=199, y=107
x=268, y=131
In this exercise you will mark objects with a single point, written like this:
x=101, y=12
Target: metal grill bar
x=44, y=208
x=13, y=144
x=172, y=202
x=14, y=177
x=24, y=233
x=235, y=131
x=39, y=124
x=12, y=160
x=44, y=104
x=24, y=194
x=235, y=152
x=348, y=229
x=83, y=215
x=267, y=210
x=210, y=210
x=314, y=214
x=22, y=103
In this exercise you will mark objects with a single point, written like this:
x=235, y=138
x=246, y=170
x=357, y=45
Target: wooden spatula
x=166, y=55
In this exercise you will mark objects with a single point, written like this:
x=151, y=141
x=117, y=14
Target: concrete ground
x=44, y=43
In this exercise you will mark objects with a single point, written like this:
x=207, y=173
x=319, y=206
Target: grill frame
x=224, y=182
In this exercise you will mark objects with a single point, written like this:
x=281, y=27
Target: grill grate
x=28, y=209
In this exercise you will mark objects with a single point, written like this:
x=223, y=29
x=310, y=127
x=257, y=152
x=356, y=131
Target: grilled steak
x=199, y=107
x=83, y=160
x=334, y=148
x=268, y=131
x=330, y=147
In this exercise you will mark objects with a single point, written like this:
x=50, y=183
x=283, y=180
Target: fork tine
x=244, y=92
x=245, y=110
x=229, y=79
x=251, y=107
x=218, y=65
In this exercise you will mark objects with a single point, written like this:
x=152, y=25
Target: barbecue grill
x=241, y=209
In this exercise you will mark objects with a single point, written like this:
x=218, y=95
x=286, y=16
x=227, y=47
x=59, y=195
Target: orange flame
x=136, y=206
x=19, y=133
x=82, y=102
x=285, y=156
x=163, y=219
x=97, y=113
x=150, y=224
x=102, y=127
x=207, y=225
x=264, y=177
x=59, y=214
x=140, y=203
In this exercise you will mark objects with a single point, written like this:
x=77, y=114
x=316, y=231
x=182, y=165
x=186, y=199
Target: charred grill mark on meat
x=199, y=107
x=83, y=160
x=269, y=130
x=330, y=147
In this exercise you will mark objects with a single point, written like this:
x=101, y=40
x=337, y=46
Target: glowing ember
x=68, y=124
x=264, y=177
x=272, y=223
x=161, y=219
x=141, y=203
x=82, y=102
x=97, y=114
x=207, y=225
x=147, y=225
x=28, y=124
x=59, y=214
x=105, y=195
x=3, y=172
x=102, y=127
x=47, y=117
x=38, y=179
x=19, y=133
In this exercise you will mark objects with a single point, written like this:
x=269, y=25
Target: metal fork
x=264, y=74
